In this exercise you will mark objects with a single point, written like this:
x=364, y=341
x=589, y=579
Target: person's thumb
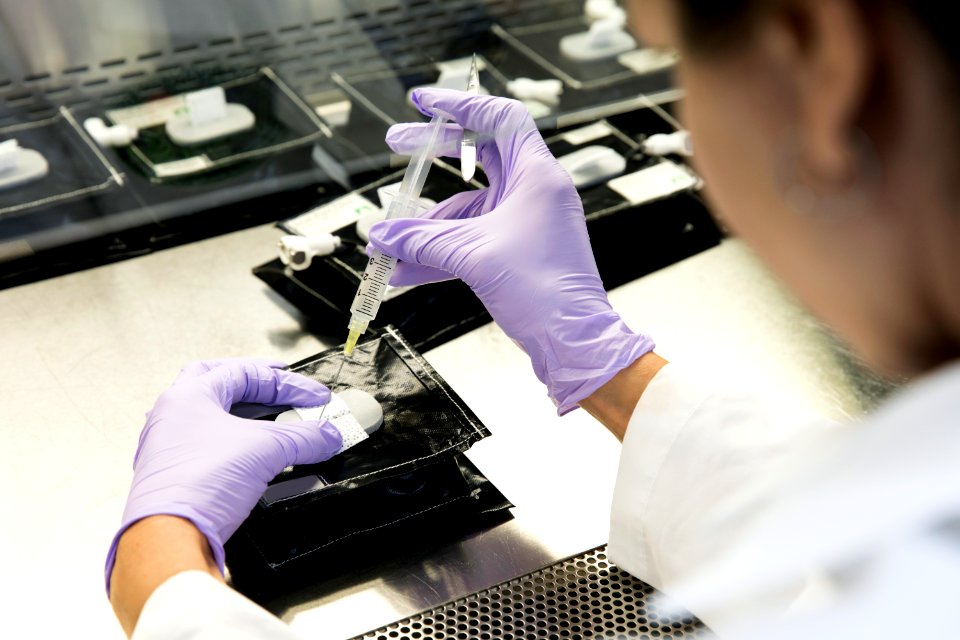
x=441, y=244
x=306, y=442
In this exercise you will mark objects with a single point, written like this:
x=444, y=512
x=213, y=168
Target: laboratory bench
x=86, y=354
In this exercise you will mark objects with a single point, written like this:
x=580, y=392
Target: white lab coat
x=765, y=521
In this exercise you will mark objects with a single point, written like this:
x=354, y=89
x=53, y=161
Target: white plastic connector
x=592, y=165
x=208, y=117
x=206, y=106
x=544, y=91
x=298, y=252
x=19, y=166
x=606, y=38
x=336, y=114
x=9, y=153
x=600, y=9
x=661, y=144
x=118, y=135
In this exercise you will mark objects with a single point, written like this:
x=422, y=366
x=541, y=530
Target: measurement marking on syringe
x=376, y=277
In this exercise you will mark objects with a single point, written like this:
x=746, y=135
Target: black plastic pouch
x=402, y=487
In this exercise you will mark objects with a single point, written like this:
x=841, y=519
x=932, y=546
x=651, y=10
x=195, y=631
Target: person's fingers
x=430, y=243
x=519, y=145
x=410, y=137
x=407, y=274
x=502, y=118
x=411, y=275
x=306, y=442
x=466, y=204
x=488, y=155
x=249, y=381
x=200, y=367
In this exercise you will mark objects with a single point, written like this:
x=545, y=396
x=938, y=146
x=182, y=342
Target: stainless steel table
x=85, y=355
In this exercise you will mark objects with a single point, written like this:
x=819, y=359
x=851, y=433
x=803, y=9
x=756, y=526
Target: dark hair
x=713, y=24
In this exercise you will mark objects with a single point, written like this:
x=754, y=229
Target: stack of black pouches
x=629, y=241
x=404, y=490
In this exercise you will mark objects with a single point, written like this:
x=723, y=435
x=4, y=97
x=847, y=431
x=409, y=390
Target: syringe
x=376, y=276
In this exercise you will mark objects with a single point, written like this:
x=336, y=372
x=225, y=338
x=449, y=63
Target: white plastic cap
x=661, y=144
x=119, y=135
x=599, y=9
x=608, y=27
x=9, y=152
x=298, y=252
x=206, y=106
x=545, y=91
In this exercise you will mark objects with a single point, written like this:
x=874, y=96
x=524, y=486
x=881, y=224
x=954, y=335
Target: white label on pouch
x=332, y=216
x=659, y=181
x=642, y=61
x=592, y=132
x=183, y=167
x=149, y=114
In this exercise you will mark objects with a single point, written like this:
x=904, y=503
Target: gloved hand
x=197, y=461
x=521, y=245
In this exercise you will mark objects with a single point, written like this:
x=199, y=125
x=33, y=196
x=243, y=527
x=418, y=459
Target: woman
x=824, y=132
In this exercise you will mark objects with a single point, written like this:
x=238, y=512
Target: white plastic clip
x=592, y=165
x=208, y=117
x=9, y=154
x=119, y=135
x=298, y=252
x=19, y=166
x=599, y=9
x=661, y=144
x=544, y=91
x=606, y=38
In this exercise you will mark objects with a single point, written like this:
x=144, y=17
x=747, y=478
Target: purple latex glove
x=197, y=461
x=521, y=244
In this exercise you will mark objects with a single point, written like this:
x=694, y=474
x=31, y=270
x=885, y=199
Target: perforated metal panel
x=582, y=598
x=79, y=53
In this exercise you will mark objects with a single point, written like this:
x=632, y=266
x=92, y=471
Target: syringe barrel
x=402, y=206
x=376, y=276
x=373, y=284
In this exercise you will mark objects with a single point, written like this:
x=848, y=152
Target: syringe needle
x=332, y=385
x=376, y=276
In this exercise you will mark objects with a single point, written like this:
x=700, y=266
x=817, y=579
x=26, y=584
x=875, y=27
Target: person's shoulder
x=929, y=407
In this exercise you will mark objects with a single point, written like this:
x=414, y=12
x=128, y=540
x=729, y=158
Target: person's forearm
x=151, y=551
x=614, y=403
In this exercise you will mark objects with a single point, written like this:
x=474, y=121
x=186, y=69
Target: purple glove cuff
x=216, y=547
x=598, y=357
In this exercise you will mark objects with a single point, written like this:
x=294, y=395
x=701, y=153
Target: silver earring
x=810, y=193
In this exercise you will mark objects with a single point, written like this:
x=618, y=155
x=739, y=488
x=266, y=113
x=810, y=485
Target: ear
x=826, y=45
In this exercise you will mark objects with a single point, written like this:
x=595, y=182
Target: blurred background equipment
x=128, y=127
